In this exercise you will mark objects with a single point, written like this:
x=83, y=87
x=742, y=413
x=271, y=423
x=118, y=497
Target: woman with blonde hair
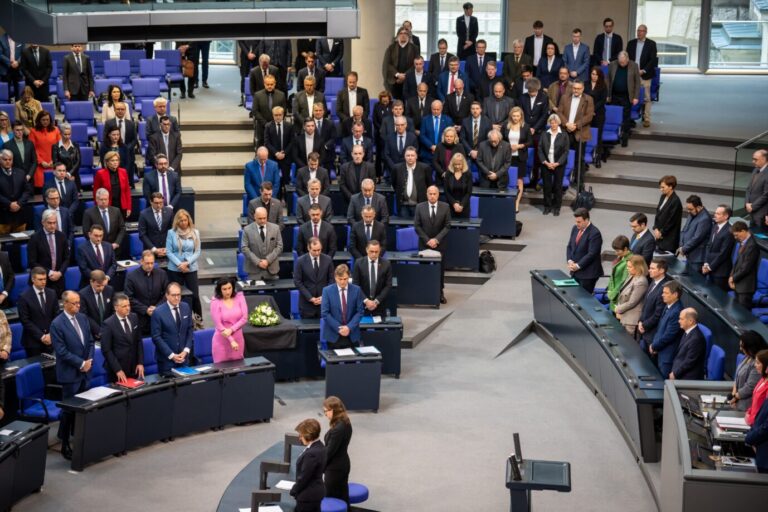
x=518, y=134
x=183, y=248
x=444, y=152
x=6, y=132
x=458, y=186
x=629, y=304
x=336, y=444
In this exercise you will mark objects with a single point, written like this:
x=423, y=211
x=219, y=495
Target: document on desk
x=21, y=235
x=732, y=423
x=264, y=508
x=370, y=320
x=343, y=352
x=97, y=393
x=285, y=485
x=708, y=399
x=430, y=253
x=368, y=351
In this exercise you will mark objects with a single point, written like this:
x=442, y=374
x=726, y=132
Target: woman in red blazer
x=115, y=179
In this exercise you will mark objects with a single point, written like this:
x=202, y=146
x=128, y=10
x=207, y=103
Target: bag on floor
x=584, y=199
x=487, y=262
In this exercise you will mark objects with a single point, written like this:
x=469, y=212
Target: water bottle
x=717, y=456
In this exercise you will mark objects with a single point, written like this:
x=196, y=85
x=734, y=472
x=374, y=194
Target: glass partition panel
x=739, y=35
x=65, y=6
x=743, y=166
x=675, y=25
x=417, y=12
x=488, y=14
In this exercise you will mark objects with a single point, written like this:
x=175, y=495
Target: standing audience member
x=667, y=338
x=27, y=109
x=438, y=61
x=168, y=142
x=624, y=90
x=576, y=111
x=374, y=276
x=619, y=271
x=14, y=195
x=172, y=326
x=494, y=156
x=514, y=62
x=183, y=248
x=696, y=234
x=229, y=313
x=114, y=179
x=630, y=302
x=23, y=151
x=350, y=96
x=67, y=153
x=747, y=376
x=445, y=152
x=38, y=305
x=718, y=260
x=162, y=180
x=643, y=51
x=669, y=213
x=583, y=252
x=553, y=155
x=341, y=309
x=337, y=440
x=161, y=110
x=549, y=66
x=36, y=66
x=96, y=301
x=368, y=197
x=188, y=51
x=278, y=138
x=310, y=172
x=259, y=170
x=6, y=131
x=467, y=30
x=7, y=280
x=77, y=75
x=398, y=60
x=314, y=197
x=654, y=306
x=364, y=231
x=109, y=217
x=309, y=489
x=761, y=388
x=691, y=355
x=432, y=222
x=607, y=45
x=757, y=190
x=43, y=136
x=146, y=289
x=115, y=95
x=312, y=272
x=576, y=57
x=265, y=200
x=537, y=43
x=743, y=278
x=64, y=216
x=598, y=91
x=757, y=437
x=642, y=241
x=318, y=228
x=121, y=343
x=519, y=135
x=263, y=102
x=96, y=254
x=458, y=186
x=113, y=142
x=330, y=54
x=154, y=223
x=262, y=245
x=354, y=172
x=129, y=136
x=49, y=249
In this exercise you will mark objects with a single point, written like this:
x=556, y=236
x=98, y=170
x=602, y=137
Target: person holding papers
x=229, y=313
x=336, y=443
x=309, y=489
x=172, y=328
x=341, y=309
x=761, y=388
x=121, y=342
x=74, y=347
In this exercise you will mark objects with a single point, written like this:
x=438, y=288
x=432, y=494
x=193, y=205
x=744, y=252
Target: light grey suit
x=496, y=161
x=303, y=204
x=301, y=110
x=631, y=300
x=255, y=250
x=757, y=194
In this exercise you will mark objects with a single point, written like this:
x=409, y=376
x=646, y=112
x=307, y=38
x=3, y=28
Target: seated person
x=265, y=200
x=365, y=230
x=96, y=301
x=313, y=197
x=262, y=245
x=312, y=272
x=374, y=277
x=310, y=172
x=146, y=289
x=356, y=139
x=342, y=324
x=367, y=196
x=96, y=255
x=154, y=223
x=318, y=228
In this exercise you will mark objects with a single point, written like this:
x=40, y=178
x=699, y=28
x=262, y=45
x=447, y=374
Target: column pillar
x=377, y=27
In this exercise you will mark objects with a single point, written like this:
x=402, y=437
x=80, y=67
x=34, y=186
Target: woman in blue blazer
x=549, y=66
x=183, y=248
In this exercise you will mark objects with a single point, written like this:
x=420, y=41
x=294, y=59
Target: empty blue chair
x=81, y=112
x=52, y=79
x=86, y=166
x=760, y=297
x=17, y=351
x=242, y=275
x=636, y=112
x=716, y=363
x=589, y=147
x=333, y=85
x=330, y=104
x=707, y=333
x=569, y=166
x=97, y=60
x=30, y=389
x=150, y=363
x=332, y=505
x=78, y=242
x=203, y=340
x=295, y=313
x=57, y=57
x=248, y=98
x=133, y=57
x=49, y=107
x=172, y=60
x=10, y=109
x=20, y=283
x=295, y=237
x=474, y=207
x=499, y=67
x=145, y=89
x=80, y=134
x=4, y=94
x=72, y=278
x=98, y=375
x=462, y=65
x=406, y=239
x=119, y=71
x=154, y=68
x=612, y=126
x=136, y=247
x=358, y=493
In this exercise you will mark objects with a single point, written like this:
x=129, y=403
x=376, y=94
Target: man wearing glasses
x=172, y=331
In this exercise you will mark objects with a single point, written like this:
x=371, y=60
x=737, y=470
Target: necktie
x=400, y=144
x=100, y=304
x=280, y=135
x=344, y=306
x=450, y=84
x=159, y=219
x=77, y=329
x=126, y=327
x=314, y=230
x=99, y=256
x=120, y=127
x=409, y=183
x=165, y=141
x=717, y=232
x=262, y=172
x=578, y=236
x=368, y=231
x=269, y=101
x=607, y=49
x=42, y=300
x=634, y=242
x=61, y=189
x=442, y=61
x=458, y=102
x=261, y=234
x=177, y=317
x=105, y=218
x=37, y=56
x=437, y=131
x=421, y=105
x=52, y=248
x=316, y=265
x=433, y=211
x=367, y=201
x=480, y=61
x=373, y=278
x=164, y=181
x=79, y=66
x=475, y=132
x=741, y=246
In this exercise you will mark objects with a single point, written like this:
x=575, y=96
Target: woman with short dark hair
x=336, y=444
x=229, y=313
x=43, y=136
x=669, y=214
x=309, y=489
x=746, y=376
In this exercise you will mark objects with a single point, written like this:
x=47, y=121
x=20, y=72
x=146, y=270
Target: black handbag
x=584, y=199
x=487, y=262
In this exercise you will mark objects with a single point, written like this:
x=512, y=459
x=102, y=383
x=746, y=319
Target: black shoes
x=191, y=95
x=598, y=164
x=443, y=300
x=205, y=85
x=547, y=210
x=66, y=450
x=557, y=212
x=183, y=95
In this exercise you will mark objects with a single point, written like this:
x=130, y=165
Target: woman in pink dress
x=230, y=313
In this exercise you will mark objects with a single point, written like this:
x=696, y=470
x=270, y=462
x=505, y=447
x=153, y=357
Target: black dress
x=379, y=113
x=599, y=96
x=442, y=159
x=337, y=461
x=69, y=157
x=458, y=191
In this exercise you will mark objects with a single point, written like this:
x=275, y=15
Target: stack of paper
x=264, y=508
x=708, y=399
x=732, y=423
x=184, y=371
x=366, y=351
x=97, y=393
x=341, y=352
x=285, y=485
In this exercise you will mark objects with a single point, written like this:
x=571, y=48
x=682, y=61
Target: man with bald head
x=259, y=170
x=690, y=359
x=263, y=103
x=354, y=172
x=419, y=105
x=432, y=223
x=262, y=245
x=367, y=197
x=458, y=102
x=494, y=156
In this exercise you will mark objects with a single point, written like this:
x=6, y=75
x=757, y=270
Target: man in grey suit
x=757, y=190
x=494, y=156
x=367, y=196
x=642, y=241
x=432, y=223
x=265, y=200
x=77, y=75
x=497, y=107
x=263, y=103
x=313, y=197
x=303, y=102
x=696, y=234
x=262, y=245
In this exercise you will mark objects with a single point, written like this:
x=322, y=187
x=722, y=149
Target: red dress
x=43, y=141
x=102, y=180
x=758, y=397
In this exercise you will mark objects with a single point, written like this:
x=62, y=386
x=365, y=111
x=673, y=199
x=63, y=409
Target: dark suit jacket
x=168, y=338
x=319, y=75
x=309, y=486
x=347, y=144
x=548, y=75
x=300, y=149
x=152, y=184
x=301, y=110
x=174, y=154
x=529, y=48
x=719, y=251
x=70, y=350
x=427, y=135
x=30, y=156
x=66, y=226
x=562, y=146
x=690, y=360
x=415, y=112
x=484, y=88
x=357, y=201
x=116, y=231
x=36, y=321
x=77, y=81
x=70, y=199
x=653, y=307
x=310, y=283
x=648, y=60
x=474, y=71
x=358, y=240
x=9, y=277
x=33, y=71
x=153, y=125
x=512, y=69
x=598, y=49
x=333, y=54
x=330, y=312
x=444, y=82
x=90, y=308
x=757, y=195
x=144, y=292
x=122, y=351
x=327, y=236
x=350, y=179
x=667, y=221
x=535, y=117
x=40, y=254
x=422, y=179
x=151, y=235
x=274, y=212
x=667, y=337
x=273, y=142
x=458, y=112
x=303, y=177
x=392, y=155
x=257, y=78
x=434, y=67
x=342, y=103
x=260, y=109
x=410, y=86
x=586, y=253
x=303, y=204
x=380, y=289
x=345, y=128
x=695, y=236
x=336, y=443
x=327, y=133
x=86, y=259
x=745, y=268
x=644, y=247
x=463, y=35
x=131, y=133
x=427, y=228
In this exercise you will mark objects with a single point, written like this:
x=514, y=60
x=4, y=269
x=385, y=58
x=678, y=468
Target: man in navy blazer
x=717, y=262
x=653, y=306
x=96, y=301
x=475, y=65
x=68, y=194
x=583, y=251
x=341, y=310
x=162, y=179
x=576, y=57
x=642, y=241
x=153, y=234
x=172, y=329
x=431, y=132
x=63, y=215
x=466, y=135
x=259, y=170
x=601, y=56
x=96, y=254
x=667, y=337
x=312, y=272
x=695, y=234
x=36, y=312
x=414, y=77
x=395, y=144
x=444, y=83
x=690, y=359
x=356, y=139
x=74, y=347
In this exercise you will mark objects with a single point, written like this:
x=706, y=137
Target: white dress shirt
x=574, y=108
x=538, y=44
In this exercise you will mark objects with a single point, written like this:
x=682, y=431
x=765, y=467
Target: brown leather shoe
x=646, y=124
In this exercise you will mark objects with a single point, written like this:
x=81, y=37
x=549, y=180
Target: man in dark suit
x=96, y=254
x=306, y=143
x=36, y=66
x=641, y=242
x=49, y=249
x=438, y=61
x=74, y=347
x=312, y=171
x=314, y=196
x=102, y=213
x=367, y=197
x=467, y=30
x=536, y=44
x=23, y=154
x=415, y=77
x=498, y=106
x=121, y=342
x=411, y=184
x=395, y=144
x=488, y=80
x=96, y=301
x=326, y=130
x=354, y=172
x=419, y=106
x=77, y=75
x=318, y=228
x=718, y=262
x=374, y=277
x=743, y=278
x=358, y=116
x=643, y=51
x=38, y=305
x=168, y=143
x=475, y=65
x=350, y=96
x=10, y=64
x=695, y=235
x=432, y=222
x=607, y=45
x=312, y=70
x=494, y=156
x=653, y=306
x=278, y=139
x=260, y=72
x=520, y=86
x=146, y=289
x=356, y=139
x=514, y=62
x=691, y=357
x=265, y=200
x=535, y=105
x=668, y=333
x=303, y=102
x=163, y=181
x=263, y=102
x=757, y=190
x=583, y=251
x=457, y=103
x=341, y=309
x=248, y=60
x=128, y=133
x=446, y=82
x=7, y=280
x=365, y=230
x=312, y=272
x=63, y=215
x=330, y=55
x=161, y=110
x=69, y=196
x=172, y=329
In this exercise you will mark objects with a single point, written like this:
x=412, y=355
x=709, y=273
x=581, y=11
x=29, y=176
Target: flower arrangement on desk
x=263, y=316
